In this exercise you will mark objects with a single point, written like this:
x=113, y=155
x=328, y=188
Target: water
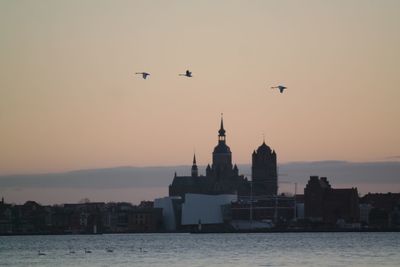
x=269, y=249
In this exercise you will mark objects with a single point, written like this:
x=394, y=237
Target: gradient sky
x=69, y=98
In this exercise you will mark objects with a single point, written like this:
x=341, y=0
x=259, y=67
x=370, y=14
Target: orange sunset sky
x=69, y=98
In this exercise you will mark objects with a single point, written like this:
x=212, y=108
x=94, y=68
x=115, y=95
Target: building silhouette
x=222, y=177
x=380, y=210
x=322, y=203
x=264, y=171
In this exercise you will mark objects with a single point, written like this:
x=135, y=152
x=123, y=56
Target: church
x=222, y=177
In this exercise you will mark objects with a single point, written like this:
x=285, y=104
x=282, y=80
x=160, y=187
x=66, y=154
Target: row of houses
x=327, y=206
x=81, y=218
x=320, y=207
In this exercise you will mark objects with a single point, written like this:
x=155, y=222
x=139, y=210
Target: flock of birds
x=188, y=74
x=88, y=251
x=71, y=251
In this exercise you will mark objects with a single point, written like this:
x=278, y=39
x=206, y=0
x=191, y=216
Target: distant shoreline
x=302, y=231
x=261, y=231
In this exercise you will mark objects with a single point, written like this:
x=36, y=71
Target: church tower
x=221, y=176
x=222, y=156
x=195, y=171
x=264, y=171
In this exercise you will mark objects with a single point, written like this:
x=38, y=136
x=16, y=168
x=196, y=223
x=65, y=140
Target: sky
x=134, y=184
x=70, y=99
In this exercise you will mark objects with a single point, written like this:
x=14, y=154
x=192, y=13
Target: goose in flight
x=144, y=74
x=280, y=87
x=187, y=74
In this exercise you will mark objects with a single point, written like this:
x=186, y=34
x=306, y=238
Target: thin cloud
x=393, y=157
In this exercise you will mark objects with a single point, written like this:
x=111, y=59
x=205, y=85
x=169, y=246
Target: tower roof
x=222, y=130
x=194, y=167
x=194, y=159
x=263, y=148
x=222, y=148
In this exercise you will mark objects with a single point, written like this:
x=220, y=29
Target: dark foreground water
x=269, y=249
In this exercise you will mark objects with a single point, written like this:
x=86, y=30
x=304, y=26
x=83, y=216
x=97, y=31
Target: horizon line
x=394, y=160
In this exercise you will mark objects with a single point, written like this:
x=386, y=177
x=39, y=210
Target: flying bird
x=144, y=74
x=187, y=74
x=280, y=87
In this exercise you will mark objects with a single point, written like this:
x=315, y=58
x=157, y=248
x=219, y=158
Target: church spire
x=195, y=171
x=221, y=132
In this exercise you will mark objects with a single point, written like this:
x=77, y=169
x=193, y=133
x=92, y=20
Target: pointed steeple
x=208, y=170
x=221, y=132
x=235, y=170
x=195, y=171
x=222, y=155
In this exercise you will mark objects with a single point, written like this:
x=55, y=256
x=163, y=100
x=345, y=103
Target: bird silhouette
x=187, y=74
x=41, y=253
x=144, y=74
x=280, y=87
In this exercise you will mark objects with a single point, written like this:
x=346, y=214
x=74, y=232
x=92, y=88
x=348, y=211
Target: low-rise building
x=324, y=204
x=384, y=209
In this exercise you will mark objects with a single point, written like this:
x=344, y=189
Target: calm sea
x=269, y=249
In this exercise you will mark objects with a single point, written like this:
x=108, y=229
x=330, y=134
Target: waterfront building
x=264, y=171
x=145, y=220
x=322, y=203
x=381, y=209
x=277, y=209
x=222, y=176
x=171, y=212
x=6, y=218
x=205, y=209
x=127, y=218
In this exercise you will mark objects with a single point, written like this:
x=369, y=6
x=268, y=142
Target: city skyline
x=199, y=133
x=70, y=99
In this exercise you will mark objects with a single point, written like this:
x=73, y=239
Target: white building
x=206, y=209
x=168, y=212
